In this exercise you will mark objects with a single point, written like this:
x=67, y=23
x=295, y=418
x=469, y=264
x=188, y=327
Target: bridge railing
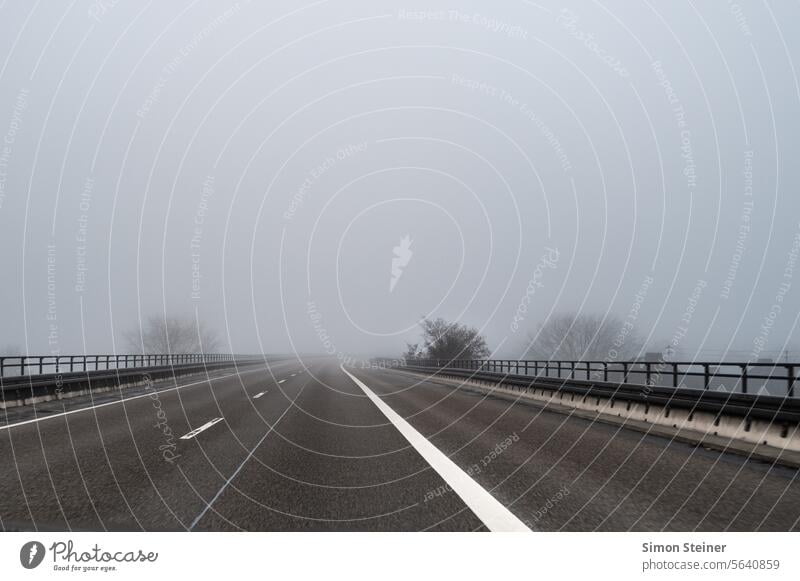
x=737, y=377
x=15, y=366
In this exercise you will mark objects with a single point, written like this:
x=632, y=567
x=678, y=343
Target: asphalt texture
x=298, y=446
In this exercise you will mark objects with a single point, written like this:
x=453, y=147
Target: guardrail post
x=675, y=375
x=605, y=371
x=790, y=380
x=744, y=378
x=22, y=365
x=559, y=369
x=647, y=371
x=624, y=373
x=706, y=376
x=40, y=365
x=588, y=371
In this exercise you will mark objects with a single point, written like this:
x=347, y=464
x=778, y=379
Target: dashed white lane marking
x=209, y=504
x=258, y=395
x=486, y=507
x=282, y=380
x=205, y=381
x=202, y=428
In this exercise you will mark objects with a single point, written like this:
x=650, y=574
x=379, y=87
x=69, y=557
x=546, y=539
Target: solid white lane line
x=486, y=507
x=258, y=395
x=202, y=428
x=119, y=401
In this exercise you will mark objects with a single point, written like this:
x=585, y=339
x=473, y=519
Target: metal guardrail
x=42, y=364
x=743, y=377
x=766, y=407
x=23, y=389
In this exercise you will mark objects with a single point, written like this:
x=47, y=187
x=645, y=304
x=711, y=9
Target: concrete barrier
x=758, y=420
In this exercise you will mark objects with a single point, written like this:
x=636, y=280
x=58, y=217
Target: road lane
x=566, y=473
x=495, y=516
x=126, y=459
x=335, y=463
x=300, y=446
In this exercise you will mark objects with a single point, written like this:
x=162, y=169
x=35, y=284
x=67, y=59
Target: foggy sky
x=256, y=166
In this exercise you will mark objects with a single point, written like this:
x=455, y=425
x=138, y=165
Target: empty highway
x=310, y=445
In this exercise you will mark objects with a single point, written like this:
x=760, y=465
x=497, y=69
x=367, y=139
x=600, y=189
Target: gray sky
x=257, y=166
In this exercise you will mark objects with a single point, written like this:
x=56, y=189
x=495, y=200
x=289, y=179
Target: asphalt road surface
x=309, y=445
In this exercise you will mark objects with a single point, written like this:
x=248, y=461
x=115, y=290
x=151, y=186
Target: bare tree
x=172, y=335
x=573, y=336
x=448, y=341
x=413, y=351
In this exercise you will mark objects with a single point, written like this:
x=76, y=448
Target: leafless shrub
x=448, y=341
x=172, y=334
x=584, y=336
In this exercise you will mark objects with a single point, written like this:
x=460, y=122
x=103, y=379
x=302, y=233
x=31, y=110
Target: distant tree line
x=565, y=336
